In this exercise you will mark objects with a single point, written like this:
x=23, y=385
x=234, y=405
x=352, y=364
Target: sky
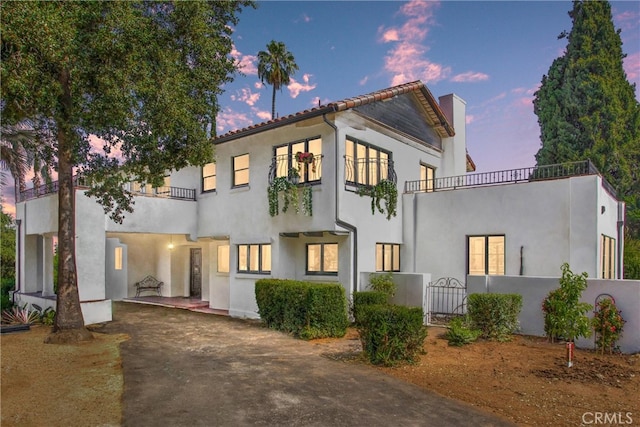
x=492, y=54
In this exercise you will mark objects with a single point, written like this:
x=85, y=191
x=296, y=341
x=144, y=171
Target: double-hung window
x=608, y=257
x=322, y=258
x=387, y=257
x=303, y=158
x=366, y=164
x=241, y=170
x=254, y=258
x=209, y=177
x=485, y=255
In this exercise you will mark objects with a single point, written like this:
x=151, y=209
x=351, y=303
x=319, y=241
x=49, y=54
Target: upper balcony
x=300, y=168
x=134, y=188
x=512, y=176
x=367, y=171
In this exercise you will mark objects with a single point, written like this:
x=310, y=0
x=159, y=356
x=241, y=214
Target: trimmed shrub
x=391, y=333
x=307, y=310
x=383, y=282
x=366, y=298
x=495, y=315
x=460, y=332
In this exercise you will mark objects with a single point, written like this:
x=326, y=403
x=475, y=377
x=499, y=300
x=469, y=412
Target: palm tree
x=14, y=155
x=276, y=66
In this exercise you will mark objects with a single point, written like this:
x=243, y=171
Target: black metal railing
x=359, y=172
x=133, y=187
x=536, y=173
x=288, y=166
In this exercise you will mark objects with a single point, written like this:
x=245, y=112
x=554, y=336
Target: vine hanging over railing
x=385, y=190
x=288, y=186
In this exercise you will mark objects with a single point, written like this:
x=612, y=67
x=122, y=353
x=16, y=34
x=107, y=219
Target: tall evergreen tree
x=276, y=65
x=142, y=76
x=587, y=108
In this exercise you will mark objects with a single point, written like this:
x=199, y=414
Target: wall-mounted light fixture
x=170, y=246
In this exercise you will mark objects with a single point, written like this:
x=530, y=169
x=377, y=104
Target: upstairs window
x=241, y=170
x=304, y=157
x=485, y=255
x=366, y=164
x=427, y=175
x=209, y=177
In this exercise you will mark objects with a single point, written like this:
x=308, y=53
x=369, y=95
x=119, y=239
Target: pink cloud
x=245, y=95
x=363, y=81
x=246, y=63
x=406, y=60
x=470, y=77
x=229, y=119
x=631, y=66
x=295, y=87
x=263, y=115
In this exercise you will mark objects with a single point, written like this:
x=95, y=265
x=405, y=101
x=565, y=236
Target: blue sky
x=492, y=54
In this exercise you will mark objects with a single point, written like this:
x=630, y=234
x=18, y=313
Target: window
x=241, y=170
x=223, y=259
x=322, y=258
x=286, y=160
x=387, y=257
x=485, y=255
x=366, y=164
x=209, y=177
x=427, y=175
x=118, y=258
x=254, y=258
x=607, y=254
x=165, y=189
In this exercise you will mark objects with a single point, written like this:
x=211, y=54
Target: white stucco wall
x=553, y=221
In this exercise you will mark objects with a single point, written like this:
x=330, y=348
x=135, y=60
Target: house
x=211, y=232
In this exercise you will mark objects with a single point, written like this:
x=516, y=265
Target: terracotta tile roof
x=434, y=114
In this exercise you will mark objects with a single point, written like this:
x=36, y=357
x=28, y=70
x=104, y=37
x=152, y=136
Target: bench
x=149, y=283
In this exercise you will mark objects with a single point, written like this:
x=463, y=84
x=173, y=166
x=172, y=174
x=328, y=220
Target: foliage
x=7, y=246
x=391, y=333
x=49, y=52
x=276, y=66
x=460, y=332
x=290, y=195
x=20, y=316
x=383, y=282
x=608, y=324
x=574, y=122
x=495, y=315
x=308, y=310
x=361, y=299
x=7, y=284
x=632, y=258
x=564, y=314
x=46, y=316
x=384, y=191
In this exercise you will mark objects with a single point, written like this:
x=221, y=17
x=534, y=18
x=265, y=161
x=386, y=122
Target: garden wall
x=534, y=289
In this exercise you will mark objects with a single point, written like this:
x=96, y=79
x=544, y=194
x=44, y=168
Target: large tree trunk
x=69, y=323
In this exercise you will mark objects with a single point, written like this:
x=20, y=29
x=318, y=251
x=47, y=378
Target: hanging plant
x=306, y=158
x=287, y=185
x=386, y=191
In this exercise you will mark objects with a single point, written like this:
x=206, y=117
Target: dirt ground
x=525, y=380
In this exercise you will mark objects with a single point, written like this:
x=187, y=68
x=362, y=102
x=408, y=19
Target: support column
x=47, y=267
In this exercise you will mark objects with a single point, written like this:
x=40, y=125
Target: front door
x=195, y=288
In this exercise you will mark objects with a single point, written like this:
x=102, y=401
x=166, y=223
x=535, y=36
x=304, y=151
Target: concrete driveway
x=183, y=368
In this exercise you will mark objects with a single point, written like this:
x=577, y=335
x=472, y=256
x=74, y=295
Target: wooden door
x=195, y=288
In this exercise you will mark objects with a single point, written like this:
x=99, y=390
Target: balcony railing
x=360, y=172
x=512, y=176
x=286, y=165
x=135, y=188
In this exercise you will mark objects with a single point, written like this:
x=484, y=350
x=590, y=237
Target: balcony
x=309, y=171
x=512, y=176
x=134, y=188
x=364, y=172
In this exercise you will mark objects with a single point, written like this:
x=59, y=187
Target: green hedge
x=391, y=333
x=6, y=284
x=495, y=315
x=366, y=298
x=308, y=310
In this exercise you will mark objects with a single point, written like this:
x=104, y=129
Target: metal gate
x=445, y=299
